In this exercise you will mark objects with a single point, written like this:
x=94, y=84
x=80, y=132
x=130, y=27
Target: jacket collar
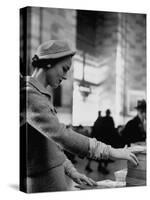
x=35, y=83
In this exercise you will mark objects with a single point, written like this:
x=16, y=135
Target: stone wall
x=116, y=42
x=136, y=51
x=106, y=45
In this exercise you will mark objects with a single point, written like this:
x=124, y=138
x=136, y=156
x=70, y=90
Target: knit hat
x=53, y=49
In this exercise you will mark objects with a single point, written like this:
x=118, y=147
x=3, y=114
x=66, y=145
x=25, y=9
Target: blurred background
x=108, y=71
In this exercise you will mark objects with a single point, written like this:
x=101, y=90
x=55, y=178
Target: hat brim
x=140, y=108
x=58, y=55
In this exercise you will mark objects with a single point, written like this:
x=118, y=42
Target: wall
x=117, y=44
x=106, y=45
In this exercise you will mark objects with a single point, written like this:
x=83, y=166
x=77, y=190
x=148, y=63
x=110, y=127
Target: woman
x=46, y=136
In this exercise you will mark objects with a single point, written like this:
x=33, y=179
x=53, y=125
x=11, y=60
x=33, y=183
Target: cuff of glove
x=69, y=168
x=98, y=150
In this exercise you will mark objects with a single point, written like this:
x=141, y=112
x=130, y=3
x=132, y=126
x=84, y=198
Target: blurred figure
x=94, y=134
x=95, y=130
x=106, y=134
x=104, y=129
x=120, y=129
x=108, y=127
x=119, y=143
x=108, y=119
x=135, y=129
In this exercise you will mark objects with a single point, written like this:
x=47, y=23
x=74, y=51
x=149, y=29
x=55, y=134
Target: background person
x=95, y=132
x=135, y=129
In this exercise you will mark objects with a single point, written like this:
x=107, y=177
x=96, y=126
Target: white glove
x=99, y=150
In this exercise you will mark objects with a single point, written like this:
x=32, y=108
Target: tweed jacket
x=46, y=136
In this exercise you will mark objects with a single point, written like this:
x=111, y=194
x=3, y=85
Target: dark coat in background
x=104, y=130
x=133, y=131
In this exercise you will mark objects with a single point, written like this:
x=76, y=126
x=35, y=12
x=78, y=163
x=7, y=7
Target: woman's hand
x=124, y=154
x=77, y=177
x=82, y=179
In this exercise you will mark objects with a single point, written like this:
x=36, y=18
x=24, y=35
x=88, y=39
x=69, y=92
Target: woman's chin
x=56, y=85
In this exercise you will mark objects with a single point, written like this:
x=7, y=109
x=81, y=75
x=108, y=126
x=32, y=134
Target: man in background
x=135, y=129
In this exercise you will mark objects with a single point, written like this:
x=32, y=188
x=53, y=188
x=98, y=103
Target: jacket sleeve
x=41, y=116
x=69, y=167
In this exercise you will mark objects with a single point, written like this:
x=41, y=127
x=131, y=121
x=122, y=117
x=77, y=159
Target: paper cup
x=120, y=176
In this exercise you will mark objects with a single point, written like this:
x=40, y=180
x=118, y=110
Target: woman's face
x=58, y=72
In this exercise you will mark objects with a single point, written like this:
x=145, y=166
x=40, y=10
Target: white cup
x=120, y=176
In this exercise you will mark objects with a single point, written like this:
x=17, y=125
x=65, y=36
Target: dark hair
x=42, y=63
x=108, y=112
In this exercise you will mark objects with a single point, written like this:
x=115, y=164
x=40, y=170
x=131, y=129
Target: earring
x=49, y=65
